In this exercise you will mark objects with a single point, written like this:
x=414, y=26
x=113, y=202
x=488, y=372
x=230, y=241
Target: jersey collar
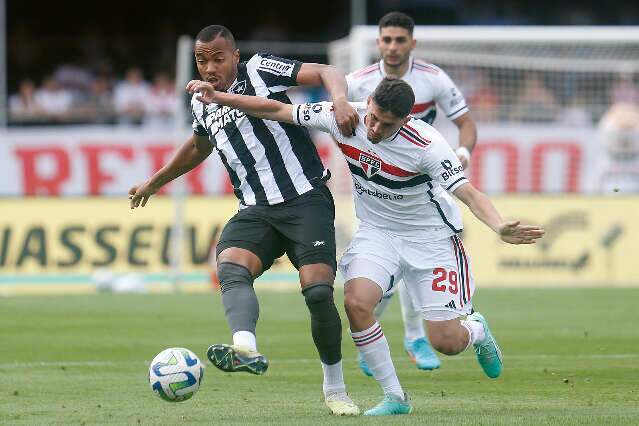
x=395, y=135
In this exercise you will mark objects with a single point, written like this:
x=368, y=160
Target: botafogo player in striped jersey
x=284, y=204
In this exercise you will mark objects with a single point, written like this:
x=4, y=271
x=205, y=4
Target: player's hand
x=140, y=194
x=206, y=91
x=346, y=117
x=514, y=232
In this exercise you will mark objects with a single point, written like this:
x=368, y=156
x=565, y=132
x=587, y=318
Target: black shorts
x=303, y=228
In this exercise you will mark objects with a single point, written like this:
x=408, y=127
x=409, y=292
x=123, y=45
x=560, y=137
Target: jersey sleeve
x=449, y=98
x=277, y=73
x=352, y=88
x=198, y=127
x=442, y=165
x=316, y=116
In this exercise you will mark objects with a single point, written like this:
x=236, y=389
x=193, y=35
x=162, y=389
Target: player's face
x=381, y=124
x=395, y=45
x=217, y=62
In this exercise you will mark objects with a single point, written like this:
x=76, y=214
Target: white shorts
x=437, y=274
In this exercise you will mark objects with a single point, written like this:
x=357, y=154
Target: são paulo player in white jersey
x=433, y=90
x=403, y=171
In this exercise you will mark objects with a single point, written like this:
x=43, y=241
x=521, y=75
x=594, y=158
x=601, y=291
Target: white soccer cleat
x=341, y=405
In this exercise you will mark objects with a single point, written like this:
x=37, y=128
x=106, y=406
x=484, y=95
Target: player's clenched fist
x=345, y=116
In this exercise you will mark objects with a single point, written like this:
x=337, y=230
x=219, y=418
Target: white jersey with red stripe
x=432, y=87
x=400, y=184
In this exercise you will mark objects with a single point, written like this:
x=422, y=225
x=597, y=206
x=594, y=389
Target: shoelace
x=487, y=347
x=392, y=398
x=340, y=397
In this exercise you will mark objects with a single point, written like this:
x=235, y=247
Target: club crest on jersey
x=371, y=165
x=239, y=87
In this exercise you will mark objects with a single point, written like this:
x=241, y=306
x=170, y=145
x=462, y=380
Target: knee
x=232, y=275
x=240, y=257
x=316, y=273
x=356, y=306
x=315, y=294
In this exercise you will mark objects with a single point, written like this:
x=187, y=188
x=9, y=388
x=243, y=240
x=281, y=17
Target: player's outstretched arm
x=255, y=106
x=193, y=152
x=512, y=232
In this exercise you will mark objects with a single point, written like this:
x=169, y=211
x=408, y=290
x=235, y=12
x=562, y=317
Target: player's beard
x=395, y=67
x=373, y=139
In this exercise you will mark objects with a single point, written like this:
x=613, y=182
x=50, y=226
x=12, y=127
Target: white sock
x=333, y=379
x=381, y=306
x=413, y=323
x=475, y=331
x=245, y=338
x=373, y=346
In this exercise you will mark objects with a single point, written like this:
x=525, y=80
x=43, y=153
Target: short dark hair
x=212, y=32
x=397, y=19
x=395, y=96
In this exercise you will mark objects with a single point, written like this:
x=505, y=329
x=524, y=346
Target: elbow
x=477, y=200
x=469, y=196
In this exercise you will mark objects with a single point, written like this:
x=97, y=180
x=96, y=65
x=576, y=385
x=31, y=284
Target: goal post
x=183, y=73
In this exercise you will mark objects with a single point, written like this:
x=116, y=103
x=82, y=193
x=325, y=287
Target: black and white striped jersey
x=268, y=162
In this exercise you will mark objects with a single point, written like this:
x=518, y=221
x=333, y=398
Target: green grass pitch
x=571, y=357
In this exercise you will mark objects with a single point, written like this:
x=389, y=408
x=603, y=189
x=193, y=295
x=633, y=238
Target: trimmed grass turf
x=571, y=357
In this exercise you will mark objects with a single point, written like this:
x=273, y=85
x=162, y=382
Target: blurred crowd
x=571, y=99
x=69, y=72
x=72, y=95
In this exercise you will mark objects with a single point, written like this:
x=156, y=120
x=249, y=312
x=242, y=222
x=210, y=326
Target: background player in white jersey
x=433, y=89
x=402, y=169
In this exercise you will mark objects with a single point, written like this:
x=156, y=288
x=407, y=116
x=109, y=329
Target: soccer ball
x=175, y=374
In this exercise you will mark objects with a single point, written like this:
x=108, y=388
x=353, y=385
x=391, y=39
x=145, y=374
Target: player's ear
x=413, y=44
x=368, y=101
x=236, y=56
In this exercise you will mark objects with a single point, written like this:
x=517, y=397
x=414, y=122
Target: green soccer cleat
x=488, y=353
x=237, y=358
x=364, y=366
x=420, y=352
x=391, y=405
